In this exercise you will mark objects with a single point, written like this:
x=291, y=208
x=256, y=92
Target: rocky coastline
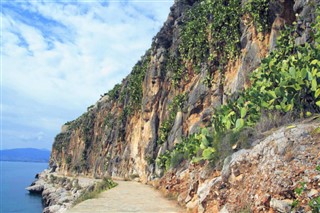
x=149, y=127
x=59, y=192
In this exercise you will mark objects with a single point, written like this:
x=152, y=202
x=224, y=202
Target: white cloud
x=37, y=136
x=63, y=56
x=99, y=51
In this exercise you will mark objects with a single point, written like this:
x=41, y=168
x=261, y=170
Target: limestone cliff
x=173, y=91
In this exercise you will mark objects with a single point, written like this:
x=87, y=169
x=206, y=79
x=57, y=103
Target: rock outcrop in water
x=60, y=192
x=201, y=59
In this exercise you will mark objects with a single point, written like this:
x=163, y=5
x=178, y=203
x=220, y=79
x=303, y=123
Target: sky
x=58, y=57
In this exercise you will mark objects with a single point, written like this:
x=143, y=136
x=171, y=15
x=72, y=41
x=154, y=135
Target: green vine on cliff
x=174, y=107
x=114, y=93
x=174, y=66
x=258, y=11
x=194, y=47
x=212, y=34
x=288, y=80
x=61, y=141
x=133, y=92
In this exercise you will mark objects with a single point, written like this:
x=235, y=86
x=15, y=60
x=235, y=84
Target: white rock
x=204, y=188
x=312, y=193
x=281, y=205
x=224, y=210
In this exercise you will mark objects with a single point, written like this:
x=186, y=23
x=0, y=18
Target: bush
x=69, y=160
x=273, y=119
x=175, y=106
x=211, y=33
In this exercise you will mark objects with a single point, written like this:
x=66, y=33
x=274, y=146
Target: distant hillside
x=25, y=154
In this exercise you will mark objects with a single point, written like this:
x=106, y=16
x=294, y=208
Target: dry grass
x=93, y=192
x=172, y=196
x=270, y=120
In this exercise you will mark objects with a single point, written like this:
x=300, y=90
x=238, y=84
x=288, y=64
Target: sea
x=15, y=177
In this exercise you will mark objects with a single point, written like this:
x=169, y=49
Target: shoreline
x=59, y=192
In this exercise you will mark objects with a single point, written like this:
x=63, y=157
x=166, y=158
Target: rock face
x=118, y=138
x=155, y=107
x=260, y=179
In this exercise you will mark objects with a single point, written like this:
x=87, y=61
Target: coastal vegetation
x=211, y=36
x=216, y=105
x=286, y=82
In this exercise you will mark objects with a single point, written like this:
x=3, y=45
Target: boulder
x=224, y=210
x=282, y=206
x=37, y=189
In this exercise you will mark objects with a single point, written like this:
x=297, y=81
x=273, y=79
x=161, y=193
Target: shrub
x=211, y=33
x=115, y=92
x=273, y=119
x=258, y=11
x=68, y=159
x=174, y=107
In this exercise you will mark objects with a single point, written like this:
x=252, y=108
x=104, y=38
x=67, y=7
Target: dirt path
x=128, y=196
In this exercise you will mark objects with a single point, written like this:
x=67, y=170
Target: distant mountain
x=25, y=154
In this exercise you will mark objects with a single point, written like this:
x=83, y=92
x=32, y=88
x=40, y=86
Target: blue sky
x=58, y=57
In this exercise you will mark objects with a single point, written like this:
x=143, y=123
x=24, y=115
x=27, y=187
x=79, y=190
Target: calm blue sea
x=15, y=177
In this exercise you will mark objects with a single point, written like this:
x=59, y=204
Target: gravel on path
x=128, y=196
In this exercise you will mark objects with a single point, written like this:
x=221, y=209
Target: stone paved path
x=128, y=196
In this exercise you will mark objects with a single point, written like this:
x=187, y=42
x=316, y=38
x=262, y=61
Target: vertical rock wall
x=118, y=137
